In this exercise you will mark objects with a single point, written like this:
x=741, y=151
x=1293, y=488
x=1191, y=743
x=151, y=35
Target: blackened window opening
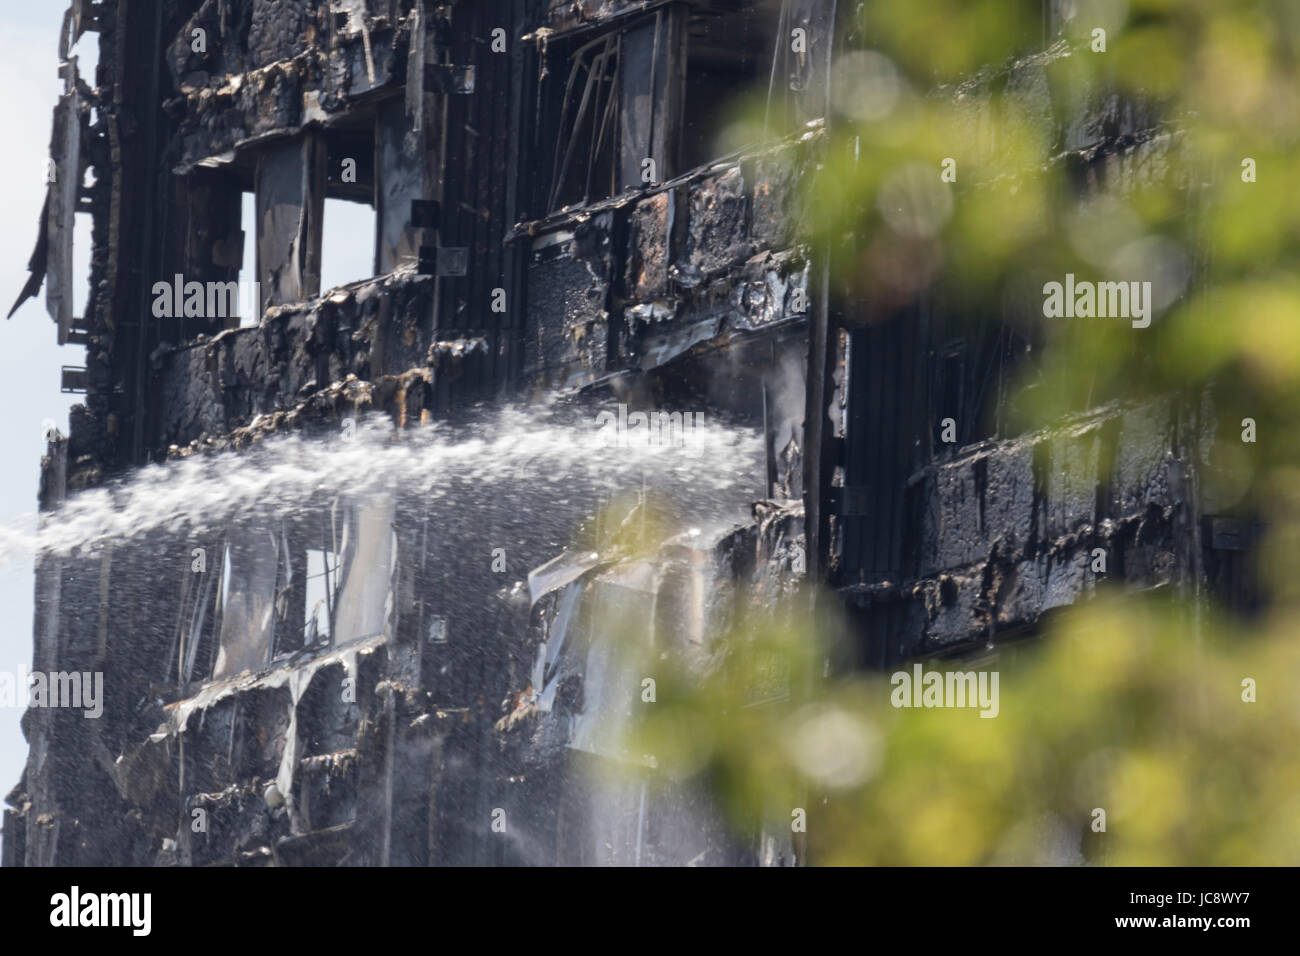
x=583, y=160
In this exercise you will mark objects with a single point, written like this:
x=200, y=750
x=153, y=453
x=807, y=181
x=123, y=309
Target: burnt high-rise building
x=378, y=675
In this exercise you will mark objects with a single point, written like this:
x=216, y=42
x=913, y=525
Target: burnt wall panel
x=276, y=30
x=568, y=288
x=719, y=218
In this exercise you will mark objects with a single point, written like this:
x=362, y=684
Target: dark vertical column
x=651, y=80
x=402, y=176
x=289, y=206
x=204, y=244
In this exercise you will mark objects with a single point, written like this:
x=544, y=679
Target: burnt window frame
x=204, y=599
x=606, y=50
x=684, y=44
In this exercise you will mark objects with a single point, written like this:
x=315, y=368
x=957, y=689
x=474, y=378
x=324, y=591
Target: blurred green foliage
x=1121, y=707
x=1134, y=706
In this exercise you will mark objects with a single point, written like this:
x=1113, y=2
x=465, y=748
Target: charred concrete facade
x=549, y=216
